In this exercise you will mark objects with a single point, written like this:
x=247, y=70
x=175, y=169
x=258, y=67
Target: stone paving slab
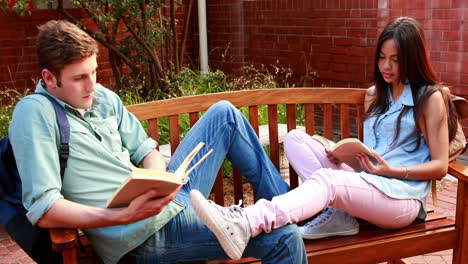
x=11, y=253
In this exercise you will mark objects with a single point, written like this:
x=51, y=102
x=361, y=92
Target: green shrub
x=7, y=105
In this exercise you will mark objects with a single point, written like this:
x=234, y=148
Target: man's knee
x=223, y=110
x=222, y=106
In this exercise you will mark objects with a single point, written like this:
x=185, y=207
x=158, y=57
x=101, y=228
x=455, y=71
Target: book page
x=348, y=140
x=327, y=144
x=346, y=151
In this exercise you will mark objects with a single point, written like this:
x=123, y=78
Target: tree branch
x=174, y=36
x=67, y=15
x=185, y=32
x=150, y=52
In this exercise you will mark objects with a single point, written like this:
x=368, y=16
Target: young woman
x=390, y=192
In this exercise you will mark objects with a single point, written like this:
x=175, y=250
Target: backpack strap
x=64, y=127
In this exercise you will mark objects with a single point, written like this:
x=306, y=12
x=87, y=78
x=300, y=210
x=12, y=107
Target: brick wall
x=446, y=32
x=18, y=66
x=17, y=54
x=333, y=38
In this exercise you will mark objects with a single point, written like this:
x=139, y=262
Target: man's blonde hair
x=60, y=43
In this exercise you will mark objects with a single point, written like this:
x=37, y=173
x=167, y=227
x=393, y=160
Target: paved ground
x=10, y=253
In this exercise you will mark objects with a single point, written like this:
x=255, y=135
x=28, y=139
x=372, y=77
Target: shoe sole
x=219, y=232
x=344, y=233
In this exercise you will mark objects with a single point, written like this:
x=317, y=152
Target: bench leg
x=460, y=254
x=70, y=256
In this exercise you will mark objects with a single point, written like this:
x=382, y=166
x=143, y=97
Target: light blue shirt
x=379, y=135
x=105, y=143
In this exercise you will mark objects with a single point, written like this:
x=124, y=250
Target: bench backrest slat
x=360, y=120
x=309, y=115
x=153, y=129
x=310, y=101
x=174, y=132
x=253, y=118
x=273, y=134
x=291, y=115
x=193, y=118
x=218, y=188
x=344, y=121
x=327, y=121
x=238, y=185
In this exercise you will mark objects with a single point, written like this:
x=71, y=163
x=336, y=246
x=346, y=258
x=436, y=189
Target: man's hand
x=147, y=205
x=68, y=214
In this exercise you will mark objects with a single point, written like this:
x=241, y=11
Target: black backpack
x=35, y=241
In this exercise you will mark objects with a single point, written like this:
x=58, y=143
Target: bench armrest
x=458, y=170
x=63, y=239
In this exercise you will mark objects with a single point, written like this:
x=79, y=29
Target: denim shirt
x=379, y=135
x=105, y=143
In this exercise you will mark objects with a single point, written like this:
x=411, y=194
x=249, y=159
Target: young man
x=106, y=143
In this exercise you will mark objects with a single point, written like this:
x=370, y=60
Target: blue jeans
x=185, y=238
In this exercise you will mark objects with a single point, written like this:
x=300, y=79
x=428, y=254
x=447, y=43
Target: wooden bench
x=340, y=107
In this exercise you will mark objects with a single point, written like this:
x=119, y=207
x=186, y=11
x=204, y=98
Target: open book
x=345, y=150
x=142, y=180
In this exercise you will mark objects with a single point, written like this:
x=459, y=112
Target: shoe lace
x=321, y=218
x=233, y=211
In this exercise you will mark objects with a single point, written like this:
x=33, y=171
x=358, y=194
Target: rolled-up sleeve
x=42, y=205
x=34, y=138
x=145, y=148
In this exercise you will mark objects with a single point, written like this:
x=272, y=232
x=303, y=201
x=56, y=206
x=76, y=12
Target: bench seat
x=374, y=245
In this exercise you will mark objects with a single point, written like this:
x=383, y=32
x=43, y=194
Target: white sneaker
x=229, y=224
x=331, y=222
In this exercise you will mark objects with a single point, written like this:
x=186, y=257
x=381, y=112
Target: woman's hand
x=378, y=167
x=147, y=205
x=332, y=158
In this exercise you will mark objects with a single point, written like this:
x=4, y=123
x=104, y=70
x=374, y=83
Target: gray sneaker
x=331, y=222
x=229, y=224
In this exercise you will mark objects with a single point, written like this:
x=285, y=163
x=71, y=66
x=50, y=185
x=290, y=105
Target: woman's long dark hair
x=415, y=68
